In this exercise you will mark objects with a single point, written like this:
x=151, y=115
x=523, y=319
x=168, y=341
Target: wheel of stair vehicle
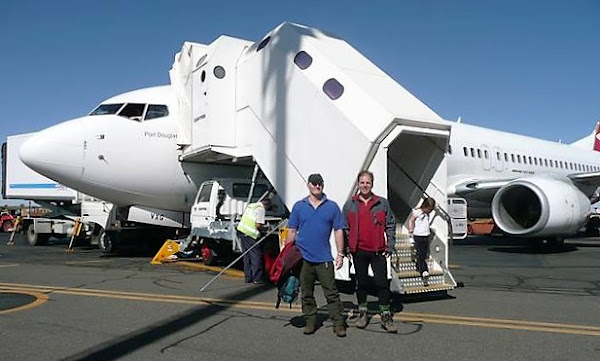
x=34, y=238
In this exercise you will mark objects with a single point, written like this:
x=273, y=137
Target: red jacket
x=383, y=226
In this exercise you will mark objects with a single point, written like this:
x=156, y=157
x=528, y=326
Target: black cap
x=315, y=179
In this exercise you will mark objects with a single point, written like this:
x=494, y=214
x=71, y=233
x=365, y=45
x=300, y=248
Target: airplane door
x=486, y=157
x=200, y=215
x=498, y=159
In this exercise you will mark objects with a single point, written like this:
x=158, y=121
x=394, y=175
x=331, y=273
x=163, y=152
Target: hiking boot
x=339, y=330
x=387, y=323
x=363, y=319
x=309, y=329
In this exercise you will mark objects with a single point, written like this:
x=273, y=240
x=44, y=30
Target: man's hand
x=339, y=261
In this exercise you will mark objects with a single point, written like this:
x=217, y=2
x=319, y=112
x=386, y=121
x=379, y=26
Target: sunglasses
x=317, y=184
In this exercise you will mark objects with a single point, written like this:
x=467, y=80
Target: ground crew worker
x=371, y=237
x=249, y=231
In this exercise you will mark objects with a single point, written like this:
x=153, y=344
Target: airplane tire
x=36, y=239
x=108, y=242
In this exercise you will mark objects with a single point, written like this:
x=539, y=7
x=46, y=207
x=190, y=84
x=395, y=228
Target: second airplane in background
x=531, y=187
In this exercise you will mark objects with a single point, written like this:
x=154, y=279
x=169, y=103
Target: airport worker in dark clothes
x=310, y=225
x=371, y=230
x=248, y=231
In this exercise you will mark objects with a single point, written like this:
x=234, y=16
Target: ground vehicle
x=217, y=210
x=7, y=221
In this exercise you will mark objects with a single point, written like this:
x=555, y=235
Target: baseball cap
x=315, y=179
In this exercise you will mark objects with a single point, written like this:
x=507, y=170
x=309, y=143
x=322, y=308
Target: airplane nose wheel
x=108, y=241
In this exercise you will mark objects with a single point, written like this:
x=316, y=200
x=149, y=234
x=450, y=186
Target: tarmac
x=517, y=302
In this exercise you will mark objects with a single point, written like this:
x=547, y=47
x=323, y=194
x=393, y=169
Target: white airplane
x=125, y=152
x=531, y=187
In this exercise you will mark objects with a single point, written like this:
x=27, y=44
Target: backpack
x=284, y=274
x=288, y=258
x=288, y=291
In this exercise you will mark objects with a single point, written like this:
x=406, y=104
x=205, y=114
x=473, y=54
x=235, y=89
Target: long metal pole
x=243, y=254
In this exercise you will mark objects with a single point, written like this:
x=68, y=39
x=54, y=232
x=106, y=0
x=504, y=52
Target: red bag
x=286, y=261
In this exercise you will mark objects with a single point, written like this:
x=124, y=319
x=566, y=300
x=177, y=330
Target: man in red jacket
x=371, y=236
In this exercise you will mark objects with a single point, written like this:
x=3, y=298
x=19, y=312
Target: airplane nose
x=56, y=152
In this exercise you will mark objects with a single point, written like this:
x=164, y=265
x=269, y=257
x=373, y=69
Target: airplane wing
x=588, y=183
x=480, y=189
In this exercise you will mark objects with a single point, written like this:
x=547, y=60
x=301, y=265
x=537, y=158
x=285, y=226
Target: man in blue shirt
x=310, y=225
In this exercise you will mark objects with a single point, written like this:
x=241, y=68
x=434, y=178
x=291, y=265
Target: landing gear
x=550, y=242
x=108, y=241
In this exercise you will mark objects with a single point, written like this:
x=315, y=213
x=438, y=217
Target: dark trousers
x=253, y=260
x=422, y=248
x=324, y=272
x=362, y=260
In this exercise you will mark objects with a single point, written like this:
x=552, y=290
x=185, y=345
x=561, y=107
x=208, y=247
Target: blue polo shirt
x=313, y=226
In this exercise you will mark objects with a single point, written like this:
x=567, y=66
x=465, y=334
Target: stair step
x=430, y=288
x=415, y=274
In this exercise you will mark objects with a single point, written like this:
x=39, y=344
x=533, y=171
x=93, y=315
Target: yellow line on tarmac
x=91, y=261
x=266, y=306
x=40, y=298
x=230, y=272
x=9, y=265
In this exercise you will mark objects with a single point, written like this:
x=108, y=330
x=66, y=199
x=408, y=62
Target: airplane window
x=333, y=89
x=546, y=162
x=518, y=158
x=478, y=153
x=505, y=157
x=485, y=154
x=525, y=159
x=512, y=157
x=204, y=194
x=529, y=159
x=534, y=160
x=498, y=155
x=465, y=151
x=303, y=60
x=133, y=111
x=560, y=164
x=449, y=149
x=472, y=152
x=104, y=109
x=156, y=111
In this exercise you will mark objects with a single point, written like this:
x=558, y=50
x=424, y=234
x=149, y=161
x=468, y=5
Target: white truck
x=217, y=210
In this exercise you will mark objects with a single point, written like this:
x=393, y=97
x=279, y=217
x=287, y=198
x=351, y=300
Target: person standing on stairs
x=418, y=228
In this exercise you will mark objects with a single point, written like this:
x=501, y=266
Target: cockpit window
x=104, y=109
x=133, y=111
x=156, y=111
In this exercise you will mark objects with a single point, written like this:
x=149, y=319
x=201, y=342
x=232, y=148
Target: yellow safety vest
x=248, y=222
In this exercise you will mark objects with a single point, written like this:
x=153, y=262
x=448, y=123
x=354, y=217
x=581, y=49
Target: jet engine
x=533, y=207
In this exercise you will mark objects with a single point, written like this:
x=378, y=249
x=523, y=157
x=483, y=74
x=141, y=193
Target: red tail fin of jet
x=597, y=138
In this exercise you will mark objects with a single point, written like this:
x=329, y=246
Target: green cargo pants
x=324, y=272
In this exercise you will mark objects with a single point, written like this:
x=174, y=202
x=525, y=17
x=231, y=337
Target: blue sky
x=530, y=67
